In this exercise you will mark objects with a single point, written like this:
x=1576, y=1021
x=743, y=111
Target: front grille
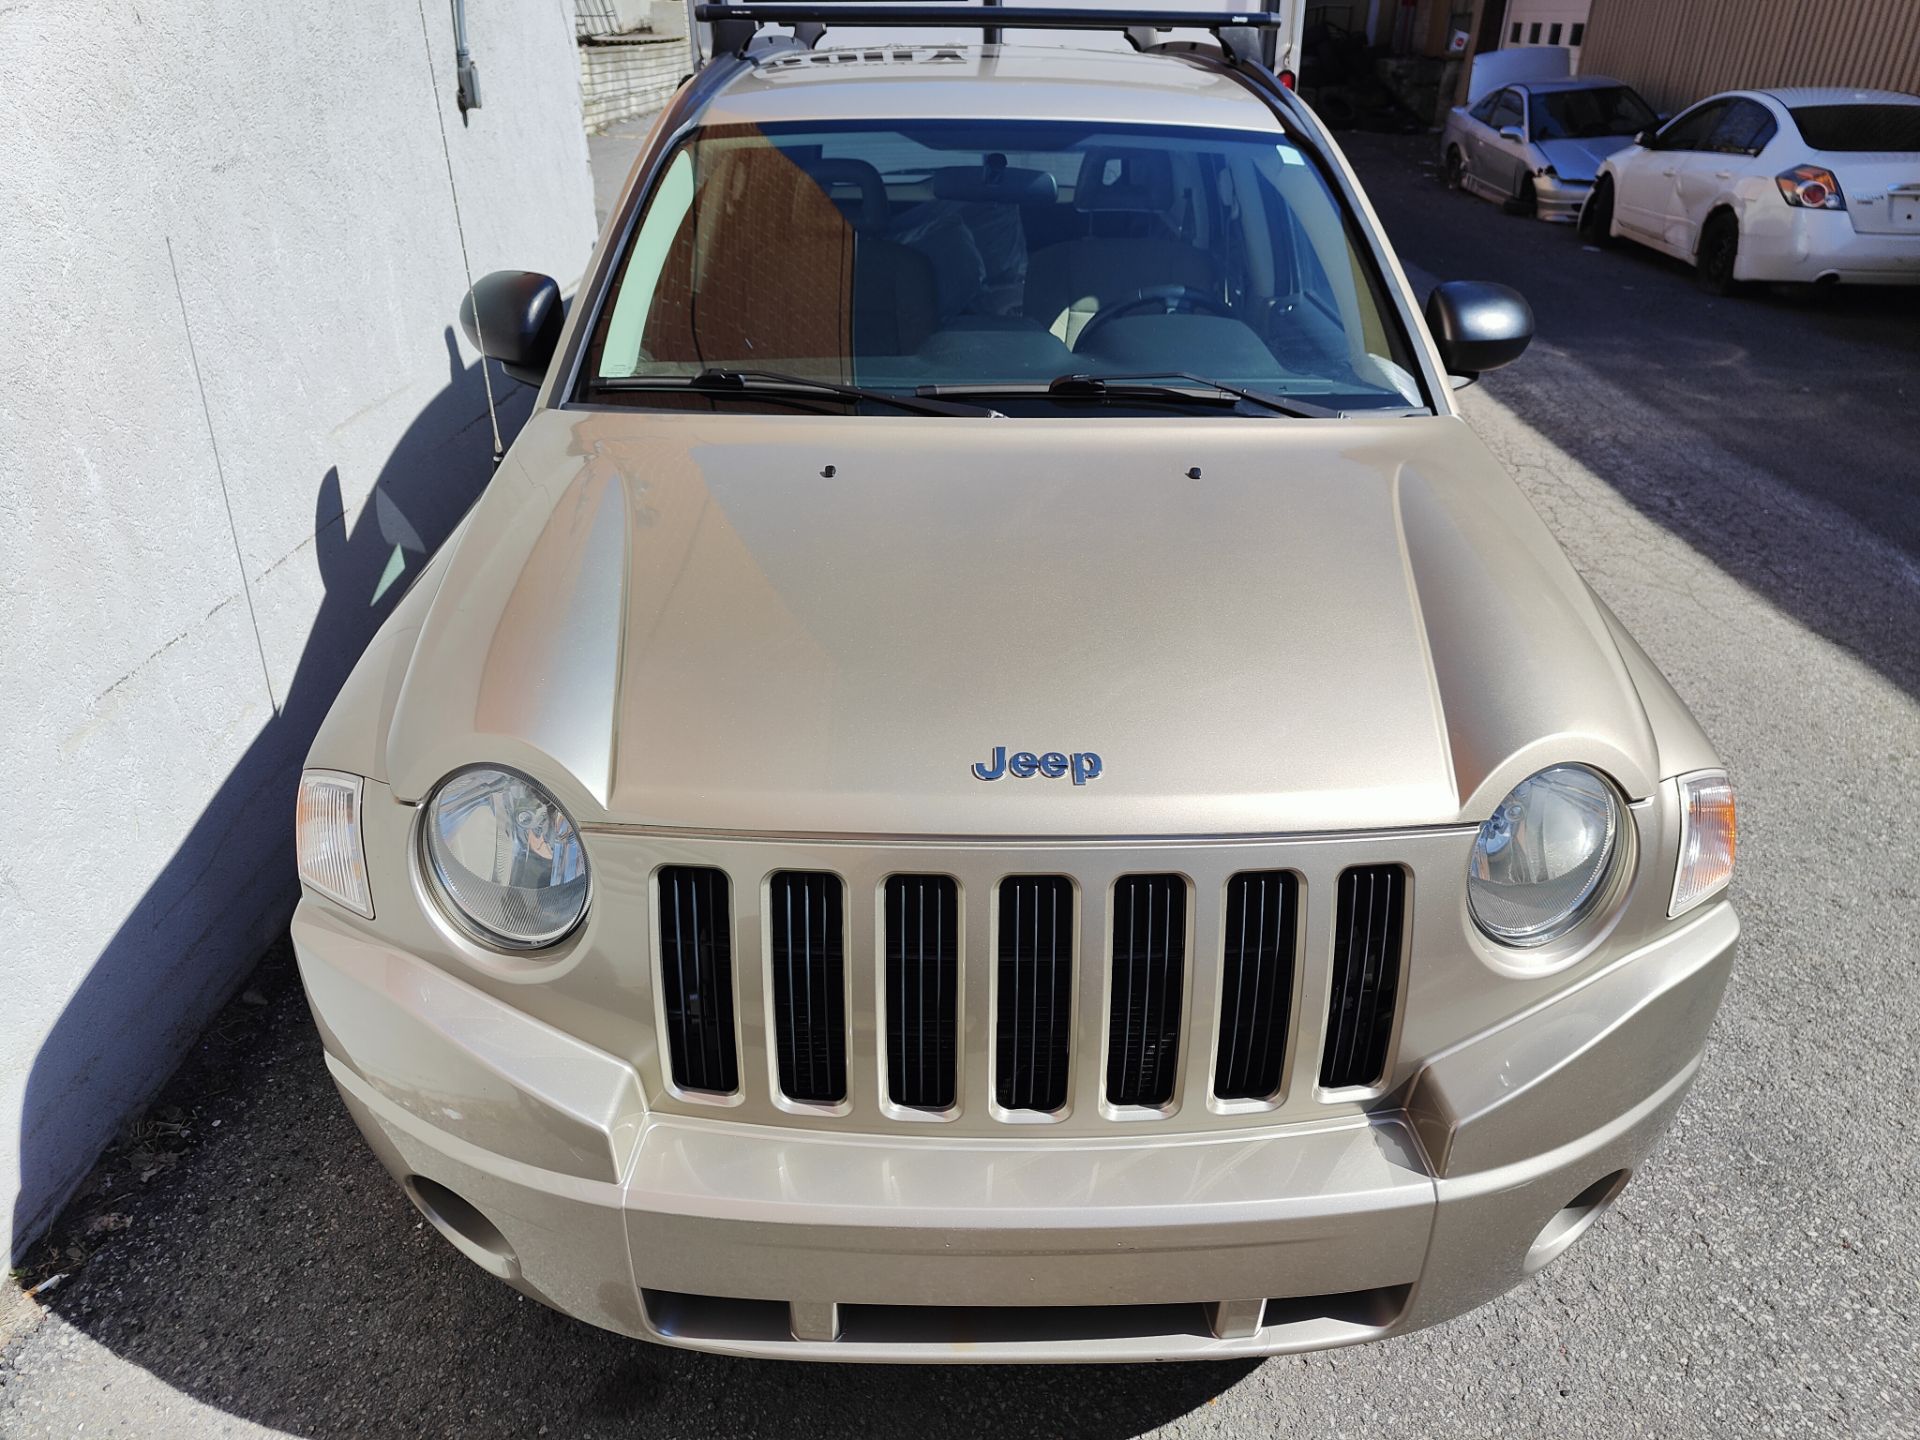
x=1035, y=1011
x=807, y=927
x=1218, y=985
x=1256, y=985
x=923, y=990
x=1366, y=974
x=696, y=977
x=1149, y=951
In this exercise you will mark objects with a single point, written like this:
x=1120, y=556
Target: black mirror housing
x=514, y=316
x=1479, y=326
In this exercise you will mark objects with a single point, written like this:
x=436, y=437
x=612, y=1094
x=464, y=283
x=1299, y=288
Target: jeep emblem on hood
x=1024, y=764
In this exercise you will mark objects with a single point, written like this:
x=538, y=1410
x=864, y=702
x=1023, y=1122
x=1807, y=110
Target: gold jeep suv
x=997, y=775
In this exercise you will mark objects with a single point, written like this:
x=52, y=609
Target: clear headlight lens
x=326, y=838
x=1540, y=863
x=1707, y=835
x=507, y=857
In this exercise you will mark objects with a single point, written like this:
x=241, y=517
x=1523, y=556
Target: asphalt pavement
x=1738, y=479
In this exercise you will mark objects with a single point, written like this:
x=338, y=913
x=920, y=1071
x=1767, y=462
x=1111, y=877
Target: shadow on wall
x=229, y=889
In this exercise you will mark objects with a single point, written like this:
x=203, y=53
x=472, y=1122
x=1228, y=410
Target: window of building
x=1533, y=34
x=1553, y=35
x=1579, y=34
x=1514, y=38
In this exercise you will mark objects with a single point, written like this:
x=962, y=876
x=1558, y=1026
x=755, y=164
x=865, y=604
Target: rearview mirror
x=514, y=316
x=1478, y=326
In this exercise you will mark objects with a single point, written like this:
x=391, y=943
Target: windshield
x=1584, y=114
x=931, y=255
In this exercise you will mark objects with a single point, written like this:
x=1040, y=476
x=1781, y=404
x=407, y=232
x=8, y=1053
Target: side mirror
x=514, y=316
x=1478, y=326
x=1645, y=140
x=1513, y=133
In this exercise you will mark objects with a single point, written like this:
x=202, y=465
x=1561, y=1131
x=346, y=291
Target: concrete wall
x=234, y=418
x=1677, y=51
x=634, y=75
x=613, y=17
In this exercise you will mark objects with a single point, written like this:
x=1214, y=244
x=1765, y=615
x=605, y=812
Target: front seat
x=895, y=304
x=1125, y=197
x=783, y=261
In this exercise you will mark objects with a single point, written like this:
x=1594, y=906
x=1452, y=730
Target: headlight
x=1540, y=863
x=506, y=857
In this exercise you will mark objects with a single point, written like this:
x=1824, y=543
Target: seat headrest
x=995, y=185
x=1134, y=181
x=872, y=212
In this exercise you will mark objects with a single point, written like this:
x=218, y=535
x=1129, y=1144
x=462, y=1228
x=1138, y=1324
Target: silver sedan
x=1537, y=146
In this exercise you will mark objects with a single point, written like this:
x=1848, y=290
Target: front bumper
x=1560, y=200
x=537, y=1155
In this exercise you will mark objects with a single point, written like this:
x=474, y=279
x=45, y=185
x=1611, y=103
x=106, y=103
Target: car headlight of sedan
x=1541, y=863
x=506, y=857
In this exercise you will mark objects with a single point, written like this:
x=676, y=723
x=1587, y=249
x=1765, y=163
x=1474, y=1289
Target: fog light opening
x=1574, y=1219
x=466, y=1229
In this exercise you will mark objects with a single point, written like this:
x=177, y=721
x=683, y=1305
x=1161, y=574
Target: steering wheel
x=1161, y=299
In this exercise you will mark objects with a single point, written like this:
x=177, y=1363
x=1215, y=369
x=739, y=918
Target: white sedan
x=1794, y=186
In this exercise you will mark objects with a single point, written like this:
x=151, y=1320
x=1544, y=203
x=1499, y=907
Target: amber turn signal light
x=1708, y=833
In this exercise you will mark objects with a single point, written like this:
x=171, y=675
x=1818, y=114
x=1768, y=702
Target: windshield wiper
x=1081, y=386
x=1142, y=383
x=774, y=382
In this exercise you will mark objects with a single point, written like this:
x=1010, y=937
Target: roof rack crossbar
x=735, y=23
x=1028, y=17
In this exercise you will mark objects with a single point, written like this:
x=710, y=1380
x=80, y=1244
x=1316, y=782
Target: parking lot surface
x=1738, y=479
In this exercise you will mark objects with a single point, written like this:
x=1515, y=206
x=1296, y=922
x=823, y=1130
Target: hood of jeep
x=686, y=621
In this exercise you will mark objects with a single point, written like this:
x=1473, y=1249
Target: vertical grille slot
x=806, y=920
x=1035, y=1010
x=1366, y=974
x=696, y=977
x=923, y=990
x=1149, y=957
x=1256, y=985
